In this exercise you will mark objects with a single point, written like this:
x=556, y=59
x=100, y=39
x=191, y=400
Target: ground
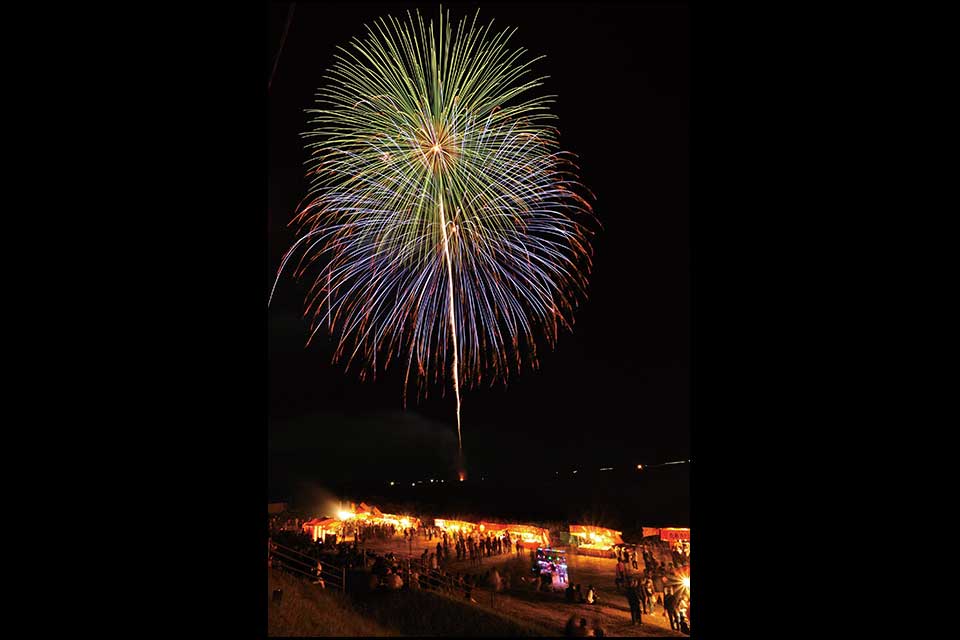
x=549, y=609
x=305, y=610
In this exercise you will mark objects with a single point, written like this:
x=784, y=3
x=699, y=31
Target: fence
x=334, y=576
x=303, y=566
x=442, y=583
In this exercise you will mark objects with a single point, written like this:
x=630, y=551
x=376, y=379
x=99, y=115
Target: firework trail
x=442, y=223
x=453, y=324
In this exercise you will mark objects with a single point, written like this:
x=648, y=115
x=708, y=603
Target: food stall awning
x=527, y=533
x=321, y=522
x=597, y=537
x=454, y=525
x=397, y=520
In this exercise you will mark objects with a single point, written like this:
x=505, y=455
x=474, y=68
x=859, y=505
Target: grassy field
x=308, y=611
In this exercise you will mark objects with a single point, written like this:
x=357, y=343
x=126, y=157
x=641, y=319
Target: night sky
x=616, y=390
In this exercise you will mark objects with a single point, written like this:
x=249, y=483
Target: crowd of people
x=302, y=555
x=574, y=594
x=660, y=583
x=367, y=531
x=284, y=522
x=470, y=546
x=392, y=573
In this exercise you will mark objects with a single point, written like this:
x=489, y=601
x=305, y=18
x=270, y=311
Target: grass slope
x=308, y=611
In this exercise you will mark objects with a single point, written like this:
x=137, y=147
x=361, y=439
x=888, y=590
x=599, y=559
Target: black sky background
x=785, y=371
x=615, y=392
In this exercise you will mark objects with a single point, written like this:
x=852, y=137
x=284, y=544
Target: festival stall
x=674, y=534
x=319, y=528
x=550, y=565
x=370, y=515
x=679, y=539
x=400, y=522
x=530, y=535
x=595, y=541
x=453, y=526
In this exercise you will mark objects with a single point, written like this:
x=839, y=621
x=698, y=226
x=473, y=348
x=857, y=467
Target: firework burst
x=443, y=225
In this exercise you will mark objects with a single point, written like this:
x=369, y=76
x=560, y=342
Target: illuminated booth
x=675, y=534
x=595, y=541
x=530, y=535
x=319, y=528
x=679, y=539
x=365, y=514
x=550, y=566
x=454, y=526
x=400, y=522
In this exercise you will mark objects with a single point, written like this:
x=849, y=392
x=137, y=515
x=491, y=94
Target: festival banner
x=650, y=531
x=672, y=534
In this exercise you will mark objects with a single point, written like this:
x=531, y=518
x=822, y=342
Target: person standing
x=670, y=602
x=648, y=598
x=633, y=599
